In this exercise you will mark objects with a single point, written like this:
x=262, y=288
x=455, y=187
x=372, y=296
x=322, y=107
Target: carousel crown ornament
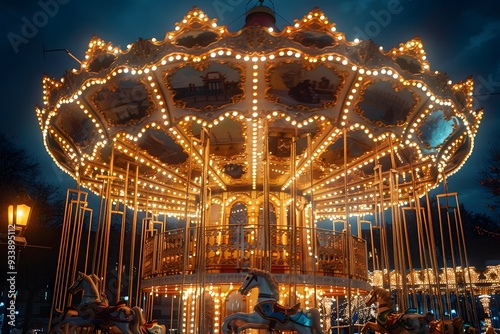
x=234, y=150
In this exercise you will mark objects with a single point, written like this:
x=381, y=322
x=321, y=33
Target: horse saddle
x=275, y=312
x=152, y=327
x=107, y=313
x=68, y=312
x=392, y=320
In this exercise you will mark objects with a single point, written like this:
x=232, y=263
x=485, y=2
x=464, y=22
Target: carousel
x=210, y=155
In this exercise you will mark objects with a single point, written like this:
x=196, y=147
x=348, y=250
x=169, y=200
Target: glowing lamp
x=18, y=215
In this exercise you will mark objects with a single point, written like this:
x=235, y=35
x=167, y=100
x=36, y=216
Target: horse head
x=370, y=299
x=374, y=296
x=380, y=296
x=86, y=284
x=250, y=282
x=77, y=284
x=264, y=281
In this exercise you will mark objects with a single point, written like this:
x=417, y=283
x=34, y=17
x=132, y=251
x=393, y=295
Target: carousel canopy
x=301, y=109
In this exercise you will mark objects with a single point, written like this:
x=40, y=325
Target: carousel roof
x=345, y=112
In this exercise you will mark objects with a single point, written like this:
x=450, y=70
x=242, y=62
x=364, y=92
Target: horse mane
x=383, y=294
x=92, y=284
x=271, y=281
x=97, y=281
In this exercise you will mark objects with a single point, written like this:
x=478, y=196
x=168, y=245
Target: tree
x=479, y=236
x=490, y=179
x=20, y=174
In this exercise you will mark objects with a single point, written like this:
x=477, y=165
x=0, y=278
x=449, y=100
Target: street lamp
x=18, y=217
x=18, y=214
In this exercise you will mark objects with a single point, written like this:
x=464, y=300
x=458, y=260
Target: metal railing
x=235, y=248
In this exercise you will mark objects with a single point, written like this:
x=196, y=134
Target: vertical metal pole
x=312, y=216
x=107, y=225
x=96, y=260
x=132, y=245
x=122, y=238
x=57, y=296
x=347, y=233
x=200, y=249
x=73, y=251
x=171, y=314
x=435, y=265
x=89, y=234
x=267, y=224
x=187, y=234
x=293, y=221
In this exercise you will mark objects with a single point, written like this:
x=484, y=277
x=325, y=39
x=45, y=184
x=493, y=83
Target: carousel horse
x=64, y=321
x=268, y=314
x=153, y=327
x=490, y=330
x=58, y=318
x=453, y=326
x=92, y=297
x=94, y=311
x=238, y=326
x=469, y=329
x=391, y=322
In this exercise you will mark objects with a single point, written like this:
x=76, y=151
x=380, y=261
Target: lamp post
x=18, y=215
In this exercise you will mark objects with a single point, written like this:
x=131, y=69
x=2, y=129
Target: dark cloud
x=489, y=32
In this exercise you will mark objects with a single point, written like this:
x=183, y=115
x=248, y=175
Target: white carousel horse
x=268, y=314
x=94, y=311
x=62, y=321
x=391, y=322
x=90, y=285
x=238, y=326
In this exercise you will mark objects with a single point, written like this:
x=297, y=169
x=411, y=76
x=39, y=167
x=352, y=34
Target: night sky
x=461, y=38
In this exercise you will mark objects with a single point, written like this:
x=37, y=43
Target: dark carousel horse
x=95, y=312
x=391, y=322
x=446, y=326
